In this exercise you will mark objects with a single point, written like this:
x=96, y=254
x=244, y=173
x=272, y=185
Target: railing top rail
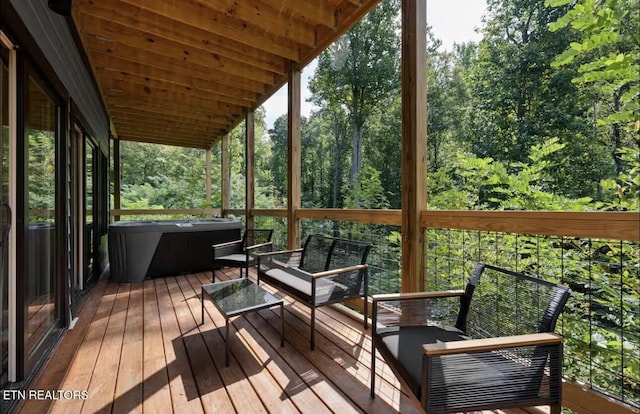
x=591, y=224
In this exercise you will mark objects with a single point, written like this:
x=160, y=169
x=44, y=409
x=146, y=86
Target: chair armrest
x=490, y=344
x=279, y=252
x=338, y=271
x=417, y=295
x=227, y=244
x=257, y=246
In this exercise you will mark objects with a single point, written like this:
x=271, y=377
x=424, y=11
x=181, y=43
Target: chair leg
x=366, y=316
x=373, y=371
x=555, y=408
x=313, y=327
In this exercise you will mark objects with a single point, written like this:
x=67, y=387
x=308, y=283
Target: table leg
x=226, y=341
x=202, y=306
x=282, y=324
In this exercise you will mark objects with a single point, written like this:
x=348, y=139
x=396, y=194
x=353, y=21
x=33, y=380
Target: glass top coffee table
x=238, y=297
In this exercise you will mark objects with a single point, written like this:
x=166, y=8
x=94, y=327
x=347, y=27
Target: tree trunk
x=617, y=136
x=338, y=169
x=356, y=153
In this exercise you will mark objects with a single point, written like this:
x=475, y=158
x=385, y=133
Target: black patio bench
x=489, y=346
x=325, y=270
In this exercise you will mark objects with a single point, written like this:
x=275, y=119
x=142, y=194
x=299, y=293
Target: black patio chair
x=489, y=346
x=242, y=253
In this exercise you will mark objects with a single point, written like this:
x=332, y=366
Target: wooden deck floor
x=139, y=348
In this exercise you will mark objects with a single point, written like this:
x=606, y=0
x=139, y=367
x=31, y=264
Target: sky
x=452, y=21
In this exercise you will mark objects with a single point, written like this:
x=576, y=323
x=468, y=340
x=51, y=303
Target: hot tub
x=140, y=249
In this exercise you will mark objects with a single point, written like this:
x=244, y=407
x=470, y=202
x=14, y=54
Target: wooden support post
x=250, y=169
x=224, y=169
x=116, y=177
x=414, y=128
x=294, y=170
x=207, y=161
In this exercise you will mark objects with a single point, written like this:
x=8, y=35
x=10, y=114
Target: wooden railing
x=598, y=225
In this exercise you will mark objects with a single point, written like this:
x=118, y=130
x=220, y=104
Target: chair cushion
x=237, y=258
x=410, y=339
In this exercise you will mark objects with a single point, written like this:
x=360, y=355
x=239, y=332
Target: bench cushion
x=237, y=257
x=300, y=281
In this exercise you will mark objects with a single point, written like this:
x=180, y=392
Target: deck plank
x=144, y=350
x=155, y=391
x=182, y=385
x=128, y=393
x=103, y=381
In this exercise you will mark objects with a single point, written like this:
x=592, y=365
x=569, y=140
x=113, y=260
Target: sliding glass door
x=40, y=183
x=5, y=212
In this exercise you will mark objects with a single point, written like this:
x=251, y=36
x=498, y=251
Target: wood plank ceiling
x=185, y=72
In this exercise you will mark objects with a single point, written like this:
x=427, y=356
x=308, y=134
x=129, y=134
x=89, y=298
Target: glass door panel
x=89, y=230
x=41, y=201
x=5, y=213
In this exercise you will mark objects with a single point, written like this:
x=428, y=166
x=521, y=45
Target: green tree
x=609, y=52
x=279, y=161
x=519, y=100
x=359, y=72
x=162, y=175
x=383, y=150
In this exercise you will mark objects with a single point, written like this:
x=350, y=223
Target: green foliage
x=610, y=38
x=41, y=171
x=367, y=190
x=609, y=55
x=278, y=161
x=159, y=175
x=623, y=193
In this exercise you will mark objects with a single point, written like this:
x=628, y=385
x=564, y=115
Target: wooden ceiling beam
x=161, y=26
x=114, y=83
x=172, y=99
x=313, y=11
x=184, y=135
x=259, y=14
x=195, y=137
x=132, y=115
x=174, y=141
x=179, y=82
x=152, y=127
x=243, y=32
x=140, y=105
x=126, y=42
x=162, y=107
x=160, y=67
